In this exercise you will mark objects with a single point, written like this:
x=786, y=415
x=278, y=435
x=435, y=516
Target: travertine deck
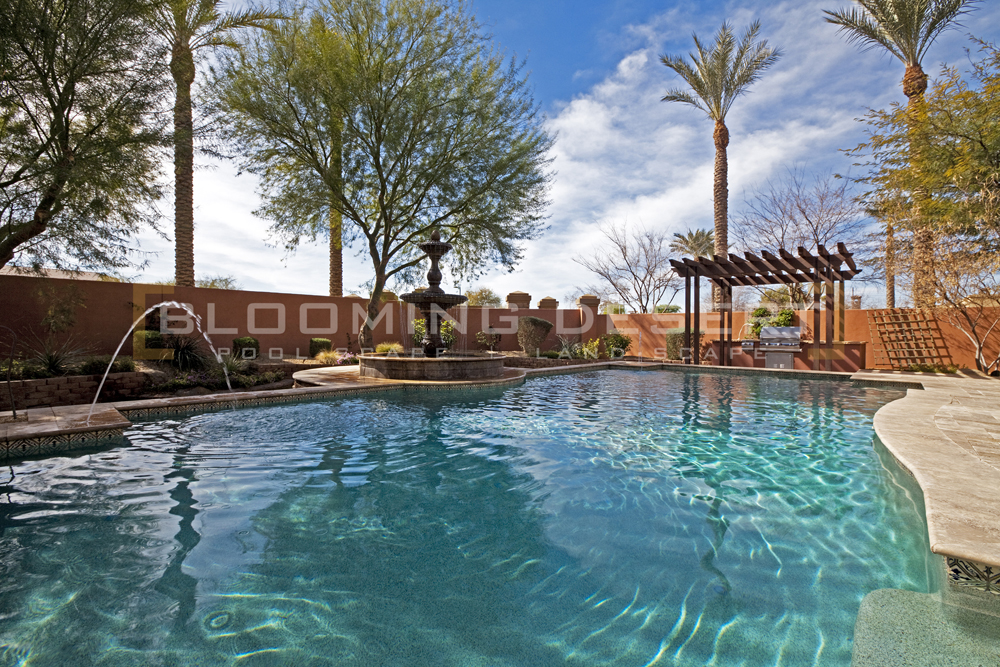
x=948, y=437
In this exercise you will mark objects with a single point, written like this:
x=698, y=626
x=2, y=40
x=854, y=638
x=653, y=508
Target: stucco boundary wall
x=282, y=323
x=953, y=345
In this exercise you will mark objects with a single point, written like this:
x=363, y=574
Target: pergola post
x=828, y=304
x=696, y=337
x=816, y=325
x=687, y=316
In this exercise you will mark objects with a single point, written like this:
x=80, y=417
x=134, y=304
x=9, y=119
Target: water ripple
x=608, y=518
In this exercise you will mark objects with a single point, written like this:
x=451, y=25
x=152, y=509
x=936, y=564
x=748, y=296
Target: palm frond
x=720, y=73
x=904, y=28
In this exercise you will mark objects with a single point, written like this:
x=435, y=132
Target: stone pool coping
x=945, y=432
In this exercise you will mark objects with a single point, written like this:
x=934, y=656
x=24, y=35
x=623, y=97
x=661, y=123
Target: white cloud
x=621, y=153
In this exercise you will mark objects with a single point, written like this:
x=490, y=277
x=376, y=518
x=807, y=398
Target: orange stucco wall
x=952, y=344
x=283, y=323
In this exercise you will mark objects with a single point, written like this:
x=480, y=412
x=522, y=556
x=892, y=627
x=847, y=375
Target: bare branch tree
x=967, y=282
x=797, y=212
x=635, y=265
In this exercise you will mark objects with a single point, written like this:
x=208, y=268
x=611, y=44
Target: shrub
x=241, y=345
x=616, y=344
x=317, y=345
x=591, y=349
x=758, y=317
x=569, y=347
x=327, y=357
x=349, y=359
x=56, y=359
x=551, y=354
x=675, y=343
x=531, y=332
x=488, y=339
x=22, y=370
x=153, y=339
x=389, y=348
x=98, y=365
x=446, y=327
x=232, y=364
x=188, y=353
x=932, y=368
x=784, y=318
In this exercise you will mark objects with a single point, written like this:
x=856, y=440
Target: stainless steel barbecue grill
x=779, y=345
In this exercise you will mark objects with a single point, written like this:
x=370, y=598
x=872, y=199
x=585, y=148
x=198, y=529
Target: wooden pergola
x=824, y=268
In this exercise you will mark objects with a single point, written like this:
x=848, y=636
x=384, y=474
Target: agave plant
x=57, y=358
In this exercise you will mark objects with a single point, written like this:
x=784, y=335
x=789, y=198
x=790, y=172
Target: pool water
x=606, y=518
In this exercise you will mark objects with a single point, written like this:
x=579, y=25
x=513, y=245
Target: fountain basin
x=447, y=367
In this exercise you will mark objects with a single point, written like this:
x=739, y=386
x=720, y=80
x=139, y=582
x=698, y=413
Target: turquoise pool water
x=606, y=518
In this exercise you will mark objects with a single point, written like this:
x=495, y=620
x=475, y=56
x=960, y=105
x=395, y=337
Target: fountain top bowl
x=428, y=298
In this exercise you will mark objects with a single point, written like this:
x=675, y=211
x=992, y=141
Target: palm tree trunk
x=721, y=200
x=914, y=85
x=182, y=69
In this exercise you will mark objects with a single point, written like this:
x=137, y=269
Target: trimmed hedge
x=531, y=333
x=240, y=345
x=317, y=345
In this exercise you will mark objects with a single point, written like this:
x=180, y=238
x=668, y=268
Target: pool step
x=897, y=628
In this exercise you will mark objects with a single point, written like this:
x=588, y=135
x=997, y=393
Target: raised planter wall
x=70, y=390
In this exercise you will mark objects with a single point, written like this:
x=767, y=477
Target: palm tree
x=697, y=243
x=906, y=29
x=717, y=76
x=189, y=26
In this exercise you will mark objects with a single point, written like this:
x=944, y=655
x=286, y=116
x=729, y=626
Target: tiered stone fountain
x=437, y=363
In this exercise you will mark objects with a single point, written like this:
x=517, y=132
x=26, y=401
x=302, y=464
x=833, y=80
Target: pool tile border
x=969, y=574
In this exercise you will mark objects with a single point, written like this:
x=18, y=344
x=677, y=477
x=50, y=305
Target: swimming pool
x=602, y=518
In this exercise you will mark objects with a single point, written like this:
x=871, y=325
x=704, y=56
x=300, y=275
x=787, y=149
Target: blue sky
x=620, y=155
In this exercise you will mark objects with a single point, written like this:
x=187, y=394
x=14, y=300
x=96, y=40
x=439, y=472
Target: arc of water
x=172, y=304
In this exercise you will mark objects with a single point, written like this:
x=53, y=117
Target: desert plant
x=24, y=370
x=188, y=353
x=568, y=347
x=488, y=339
x=349, y=359
x=242, y=345
x=233, y=364
x=57, y=358
x=98, y=365
x=327, y=357
x=317, y=345
x=531, y=332
x=445, y=327
x=391, y=349
x=591, y=349
x=616, y=344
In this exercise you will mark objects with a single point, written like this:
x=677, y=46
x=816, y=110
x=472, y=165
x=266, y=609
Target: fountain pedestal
x=436, y=363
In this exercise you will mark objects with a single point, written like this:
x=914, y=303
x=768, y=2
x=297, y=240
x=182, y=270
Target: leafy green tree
x=955, y=177
x=484, y=296
x=438, y=132
x=697, y=243
x=716, y=77
x=280, y=102
x=79, y=137
x=905, y=29
x=189, y=27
